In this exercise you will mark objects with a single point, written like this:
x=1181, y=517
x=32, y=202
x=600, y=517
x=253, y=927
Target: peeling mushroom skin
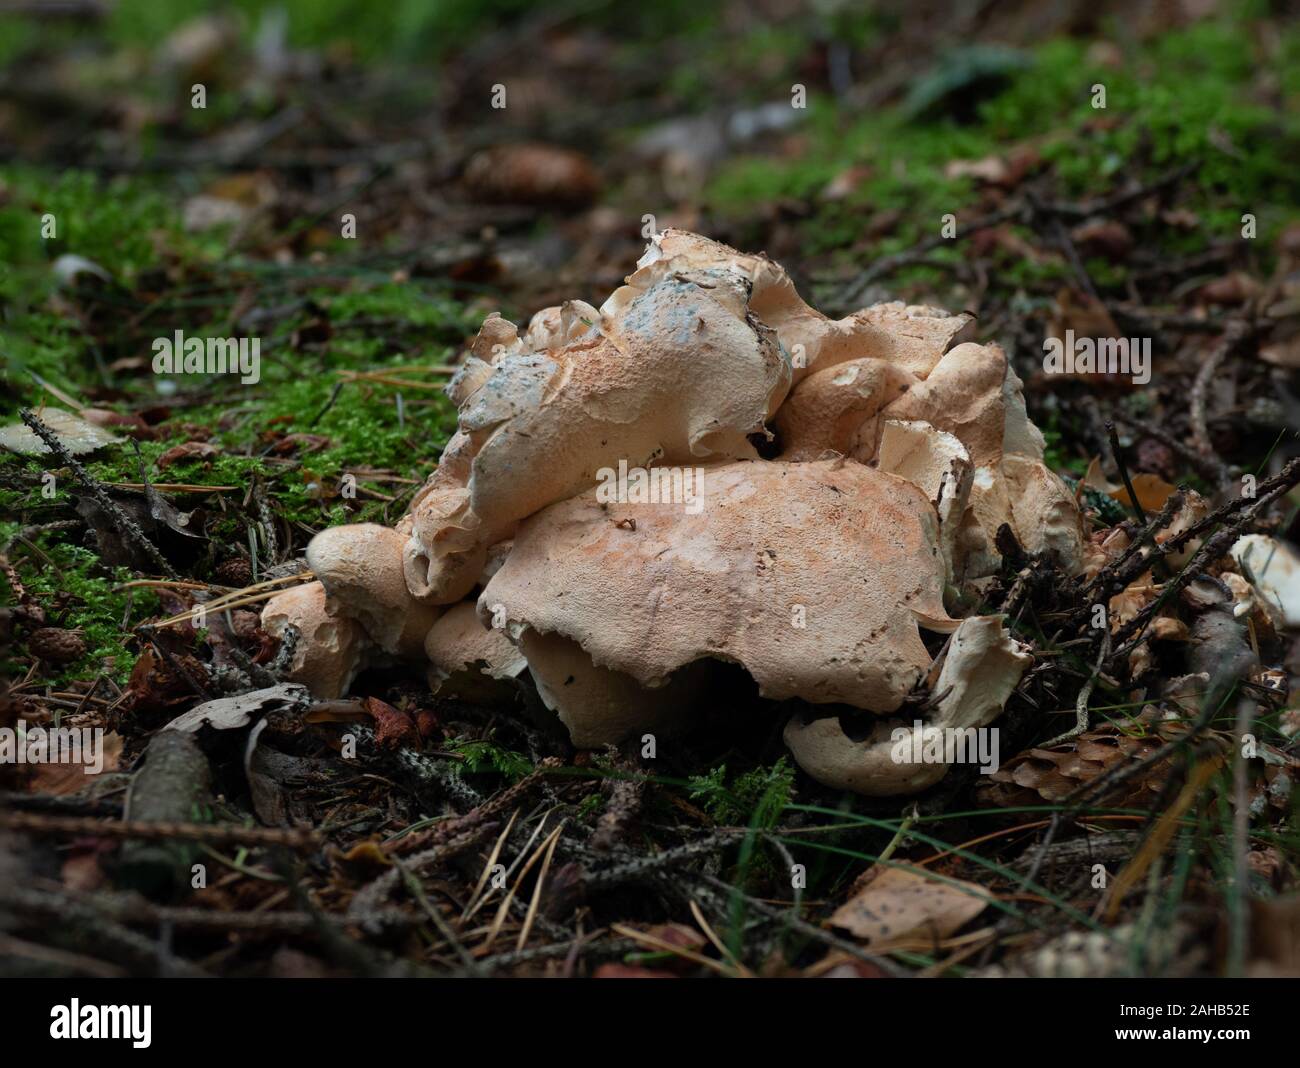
x=984, y=663
x=330, y=646
x=678, y=371
x=360, y=566
x=937, y=464
x=810, y=576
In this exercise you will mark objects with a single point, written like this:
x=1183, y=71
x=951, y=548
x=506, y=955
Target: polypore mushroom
x=329, y=651
x=675, y=369
x=982, y=666
x=813, y=577
x=902, y=451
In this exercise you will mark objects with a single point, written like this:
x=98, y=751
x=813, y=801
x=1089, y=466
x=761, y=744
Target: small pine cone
x=236, y=572
x=1051, y=775
x=30, y=615
x=1156, y=457
x=55, y=645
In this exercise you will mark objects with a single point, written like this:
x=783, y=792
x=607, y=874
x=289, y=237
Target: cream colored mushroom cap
x=676, y=370
x=458, y=641
x=811, y=576
x=329, y=651
x=360, y=566
x=981, y=667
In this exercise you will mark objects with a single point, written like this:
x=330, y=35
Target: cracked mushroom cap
x=330, y=646
x=360, y=566
x=983, y=664
x=677, y=370
x=813, y=577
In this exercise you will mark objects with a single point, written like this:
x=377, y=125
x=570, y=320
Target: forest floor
x=360, y=207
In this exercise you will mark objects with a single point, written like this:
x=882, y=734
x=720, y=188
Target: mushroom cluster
x=706, y=470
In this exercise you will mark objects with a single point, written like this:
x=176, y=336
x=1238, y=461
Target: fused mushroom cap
x=677, y=371
x=910, y=336
x=836, y=409
x=458, y=643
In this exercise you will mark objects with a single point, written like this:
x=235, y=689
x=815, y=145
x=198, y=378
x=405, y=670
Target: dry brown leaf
x=64, y=778
x=903, y=901
x=1152, y=490
x=189, y=450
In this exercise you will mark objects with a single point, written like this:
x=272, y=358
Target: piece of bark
x=175, y=785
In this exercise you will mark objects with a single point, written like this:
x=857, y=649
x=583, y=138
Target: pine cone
x=55, y=645
x=1051, y=775
x=246, y=625
x=237, y=572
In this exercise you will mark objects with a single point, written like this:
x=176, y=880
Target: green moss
x=755, y=798
x=88, y=598
x=1151, y=124
x=484, y=756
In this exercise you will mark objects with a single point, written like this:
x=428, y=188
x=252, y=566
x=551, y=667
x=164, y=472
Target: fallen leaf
x=76, y=435
x=189, y=450
x=903, y=901
x=228, y=713
x=64, y=778
x=1152, y=490
x=630, y=971
x=393, y=728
